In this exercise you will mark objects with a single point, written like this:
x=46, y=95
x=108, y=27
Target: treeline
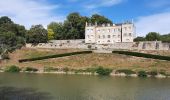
x=74, y=26
x=153, y=36
x=13, y=36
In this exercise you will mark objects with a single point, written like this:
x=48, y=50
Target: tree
x=37, y=34
x=5, y=19
x=153, y=36
x=57, y=28
x=165, y=38
x=139, y=39
x=99, y=19
x=50, y=34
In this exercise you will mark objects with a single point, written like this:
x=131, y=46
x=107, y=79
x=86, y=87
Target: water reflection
x=11, y=93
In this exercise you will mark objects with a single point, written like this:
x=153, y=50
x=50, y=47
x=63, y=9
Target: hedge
x=54, y=56
x=137, y=54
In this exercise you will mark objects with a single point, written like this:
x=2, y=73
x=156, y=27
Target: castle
x=109, y=34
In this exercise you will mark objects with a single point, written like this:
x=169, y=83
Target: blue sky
x=148, y=15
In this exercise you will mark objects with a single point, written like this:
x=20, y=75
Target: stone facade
x=80, y=44
x=109, y=34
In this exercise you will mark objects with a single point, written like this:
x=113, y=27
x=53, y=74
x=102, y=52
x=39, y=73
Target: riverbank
x=83, y=61
x=100, y=71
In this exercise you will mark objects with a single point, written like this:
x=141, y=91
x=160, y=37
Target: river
x=18, y=86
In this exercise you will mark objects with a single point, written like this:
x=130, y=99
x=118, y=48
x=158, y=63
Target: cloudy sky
x=148, y=15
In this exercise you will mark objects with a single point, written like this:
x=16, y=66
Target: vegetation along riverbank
x=101, y=71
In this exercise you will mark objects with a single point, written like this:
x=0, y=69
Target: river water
x=81, y=87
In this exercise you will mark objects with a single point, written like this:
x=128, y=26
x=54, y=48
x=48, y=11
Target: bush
x=137, y=54
x=12, y=68
x=153, y=73
x=29, y=69
x=65, y=69
x=54, y=56
x=50, y=69
x=103, y=71
x=126, y=71
x=142, y=74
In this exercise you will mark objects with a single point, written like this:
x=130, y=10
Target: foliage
x=142, y=74
x=126, y=71
x=12, y=68
x=50, y=34
x=74, y=26
x=50, y=69
x=152, y=73
x=139, y=39
x=12, y=36
x=30, y=69
x=37, y=34
x=137, y=54
x=153, y=36
x=103, y=71
x=66, y=69
x=54, y=56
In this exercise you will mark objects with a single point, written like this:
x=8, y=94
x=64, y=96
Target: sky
x=148, y=15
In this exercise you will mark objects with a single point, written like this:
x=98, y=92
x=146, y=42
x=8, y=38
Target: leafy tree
x=165, y=38
x=99, y=19
x=50, y=34
x=139, y=39
x=153, y=36
x=57, y=28
x=5, y=19
x=37, y=34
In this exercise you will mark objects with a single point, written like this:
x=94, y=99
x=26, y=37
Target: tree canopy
x=74, y=26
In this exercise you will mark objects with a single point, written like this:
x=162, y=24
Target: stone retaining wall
x=80, y=44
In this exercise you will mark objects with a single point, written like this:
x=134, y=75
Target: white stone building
x=109, y=34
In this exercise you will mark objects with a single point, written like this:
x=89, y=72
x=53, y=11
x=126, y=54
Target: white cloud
x=29, y=12
x=102, y=3
x=153, y=23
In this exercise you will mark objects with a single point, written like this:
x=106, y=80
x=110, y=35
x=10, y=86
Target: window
x=108, y=36
x=103, y=36
x=130, y=34
x=114, y=36
x=125, y=34
x=118, y=36
x=125, y=28
x=99, y=36
x=108, y=30
x=129, y=27
x=108, y=41
x=119, y=30
x=88, y=36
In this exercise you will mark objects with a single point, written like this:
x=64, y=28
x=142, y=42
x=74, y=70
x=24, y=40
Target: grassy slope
x=86, y=60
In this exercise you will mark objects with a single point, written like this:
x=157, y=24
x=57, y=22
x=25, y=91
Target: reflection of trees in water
x=11, y=93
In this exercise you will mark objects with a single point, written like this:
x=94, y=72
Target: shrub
x=142, y=74
x=65, y=69
x=30, y=69
x=54, y=56
x=50, y=69
x=12, y=68
x=153, y=73
x=103, y=71
x=126, y=71
x=137, y=54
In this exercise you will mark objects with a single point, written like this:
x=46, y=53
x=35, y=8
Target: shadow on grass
x=11, y=93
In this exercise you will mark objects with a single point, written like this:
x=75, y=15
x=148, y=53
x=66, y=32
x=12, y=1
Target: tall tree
x=37, y=34
x=153, y=36
x=99, y=19
x=50, y=34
